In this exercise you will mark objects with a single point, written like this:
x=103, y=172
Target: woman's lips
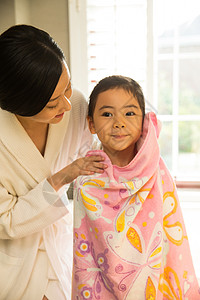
x=59, y=116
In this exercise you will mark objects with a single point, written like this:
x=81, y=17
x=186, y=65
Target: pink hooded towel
x=129, y=236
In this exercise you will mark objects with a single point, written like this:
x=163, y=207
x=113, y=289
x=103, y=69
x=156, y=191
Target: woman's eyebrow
x=69, y=84
x=54, y=99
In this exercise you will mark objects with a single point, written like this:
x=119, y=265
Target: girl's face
x=59, y=103
x=117, y=120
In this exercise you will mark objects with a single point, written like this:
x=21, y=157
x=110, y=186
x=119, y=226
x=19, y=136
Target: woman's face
x=59, y=103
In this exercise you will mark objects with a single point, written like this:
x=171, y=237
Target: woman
x=42, y=135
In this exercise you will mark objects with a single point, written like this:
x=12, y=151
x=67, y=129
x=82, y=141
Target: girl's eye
x=107, y=114
x=130, y=113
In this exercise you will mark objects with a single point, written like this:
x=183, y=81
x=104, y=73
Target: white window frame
x=78, y=44
x=189, y=191
x=79, y=69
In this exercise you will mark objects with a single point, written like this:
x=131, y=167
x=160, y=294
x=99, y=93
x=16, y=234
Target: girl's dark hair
x=30, y=66
x=113, y=82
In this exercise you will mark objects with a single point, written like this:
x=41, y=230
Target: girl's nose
x=119, y=125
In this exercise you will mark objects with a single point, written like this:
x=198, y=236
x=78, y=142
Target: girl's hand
x=82, y=166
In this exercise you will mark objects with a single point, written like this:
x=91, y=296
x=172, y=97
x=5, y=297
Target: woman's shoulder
x=78, y=97
x=79, y=103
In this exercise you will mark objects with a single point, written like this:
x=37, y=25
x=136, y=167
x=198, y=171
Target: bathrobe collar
x=20, y=145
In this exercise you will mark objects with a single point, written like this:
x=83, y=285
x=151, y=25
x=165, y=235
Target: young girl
x=129, y=236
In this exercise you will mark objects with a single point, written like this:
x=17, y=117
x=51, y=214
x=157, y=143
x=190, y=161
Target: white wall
x=189, y=201
x=78, y=44
x=7, y=14
x=50, y=15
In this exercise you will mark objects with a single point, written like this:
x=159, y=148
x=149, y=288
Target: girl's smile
x=117, y=121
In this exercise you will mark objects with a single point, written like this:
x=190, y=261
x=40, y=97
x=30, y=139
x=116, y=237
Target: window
x=177, y=31
x=157, y=43
x=115, y=45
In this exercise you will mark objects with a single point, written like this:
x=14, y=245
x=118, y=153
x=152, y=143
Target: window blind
x=116, y=37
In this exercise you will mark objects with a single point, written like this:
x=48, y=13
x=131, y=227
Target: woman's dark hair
x=30, y=67
x=113, y=82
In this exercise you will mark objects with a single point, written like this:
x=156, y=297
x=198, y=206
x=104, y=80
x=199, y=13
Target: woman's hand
x=83, y=166
x=87, y=165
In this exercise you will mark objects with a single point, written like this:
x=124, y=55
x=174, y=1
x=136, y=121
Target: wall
x=190, y=205
x=50, y=15
x=7, y=14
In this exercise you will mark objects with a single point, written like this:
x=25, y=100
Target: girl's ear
x=91, y=125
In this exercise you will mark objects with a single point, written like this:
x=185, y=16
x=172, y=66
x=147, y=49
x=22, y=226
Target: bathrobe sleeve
x=28, y=203
x=30, y=213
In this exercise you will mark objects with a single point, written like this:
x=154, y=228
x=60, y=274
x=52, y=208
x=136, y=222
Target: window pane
x=178, y=88
x=101, y=2
x=116, y=37
x=189, y=102
x=165, y=42
x=166, y=147
x=189, y=148
x=129, y=19
x=190, y=36
x=165, y=88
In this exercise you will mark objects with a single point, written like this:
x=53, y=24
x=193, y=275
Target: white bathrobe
x=35, y=225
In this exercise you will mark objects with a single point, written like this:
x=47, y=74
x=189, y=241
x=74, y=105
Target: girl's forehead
x=118, y=97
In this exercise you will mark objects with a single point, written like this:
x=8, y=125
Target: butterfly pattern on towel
x=94, y=270
x=130, y=271
x=129, y=236
x=174, y=231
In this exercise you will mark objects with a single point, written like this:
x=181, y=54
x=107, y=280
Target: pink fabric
x=129, y=236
